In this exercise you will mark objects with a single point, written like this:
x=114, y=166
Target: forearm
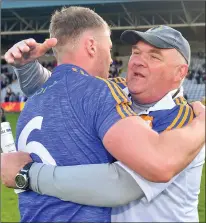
x=106, y=185
x=179, y=147
x=31, y=77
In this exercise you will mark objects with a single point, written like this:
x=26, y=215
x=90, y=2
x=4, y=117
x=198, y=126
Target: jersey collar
x=167, y=102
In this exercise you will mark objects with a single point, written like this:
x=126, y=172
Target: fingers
x=23, y=47
x=51, y=42
x=197, y=105
x=28, y=50
x=9, y=57
x=48, y=44
x=16, y=52
x=31, y=42
x=199, y=108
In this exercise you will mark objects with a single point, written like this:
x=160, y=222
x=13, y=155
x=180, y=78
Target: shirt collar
x=70, y=67
x=167, y=102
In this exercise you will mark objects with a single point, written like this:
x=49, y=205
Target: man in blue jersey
x=122, y=110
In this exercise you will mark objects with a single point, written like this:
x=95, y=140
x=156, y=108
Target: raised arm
x=106, y=185
x=31, y=77
x=22, y=56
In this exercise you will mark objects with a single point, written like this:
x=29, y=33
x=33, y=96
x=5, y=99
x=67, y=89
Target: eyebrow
x=154, y=50
x=135, y=47
x=157, y=51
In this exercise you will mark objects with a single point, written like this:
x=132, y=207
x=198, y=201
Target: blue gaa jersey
x=63, y=124
x=120, y=81
x=173, y=118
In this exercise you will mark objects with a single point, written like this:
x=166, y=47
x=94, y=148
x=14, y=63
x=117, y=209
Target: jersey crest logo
x=82, y=72
x=148, y=119
x=74, y=69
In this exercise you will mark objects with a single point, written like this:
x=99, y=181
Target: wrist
x=22, y=177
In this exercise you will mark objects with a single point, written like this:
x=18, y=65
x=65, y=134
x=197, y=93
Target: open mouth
x=137, y=74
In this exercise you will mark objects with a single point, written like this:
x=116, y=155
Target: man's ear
x=91, y=46
x=182, y=72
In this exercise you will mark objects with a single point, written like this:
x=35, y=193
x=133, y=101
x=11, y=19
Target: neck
x=138, y=107
x=77, y=59
x=151, y=98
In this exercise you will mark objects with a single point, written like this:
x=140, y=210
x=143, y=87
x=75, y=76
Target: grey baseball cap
x=163, y=37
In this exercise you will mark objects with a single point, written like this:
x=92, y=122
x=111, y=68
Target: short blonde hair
x=69, y=23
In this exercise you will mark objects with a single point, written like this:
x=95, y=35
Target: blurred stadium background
x=22, y=19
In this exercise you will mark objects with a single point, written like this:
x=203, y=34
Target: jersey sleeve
x=31, y=77
x=79, y=183
x=112, y=106
x=177, y=117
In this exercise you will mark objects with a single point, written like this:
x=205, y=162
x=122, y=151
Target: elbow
x=164, y=176
x=162, y=173
x=28, y=92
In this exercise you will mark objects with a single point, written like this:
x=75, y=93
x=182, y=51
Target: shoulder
x=120, y=81
x=82, y=83
x=180, y=115
x=111, y=96
x=114, y=90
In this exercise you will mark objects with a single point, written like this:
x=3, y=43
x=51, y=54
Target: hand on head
x=28, y=50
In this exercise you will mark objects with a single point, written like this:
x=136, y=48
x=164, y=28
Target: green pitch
x=9, y=203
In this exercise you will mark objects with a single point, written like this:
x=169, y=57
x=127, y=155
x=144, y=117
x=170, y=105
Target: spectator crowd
x=199, y=75
x=13, y=97
x=197, y=68
x=115, y=68
x=8, y=77
x=197, y=72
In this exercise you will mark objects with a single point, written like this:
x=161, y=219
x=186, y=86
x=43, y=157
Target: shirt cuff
x=33, y=175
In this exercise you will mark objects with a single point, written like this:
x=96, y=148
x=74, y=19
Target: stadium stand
x=193, y=90
x=7, y=76
x=20, y=21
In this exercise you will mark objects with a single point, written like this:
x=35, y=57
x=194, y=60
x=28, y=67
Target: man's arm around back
x=156, y=157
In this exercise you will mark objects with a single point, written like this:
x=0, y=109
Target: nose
x=139, y=61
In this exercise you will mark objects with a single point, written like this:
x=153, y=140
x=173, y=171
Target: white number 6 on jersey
x=34, y=147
